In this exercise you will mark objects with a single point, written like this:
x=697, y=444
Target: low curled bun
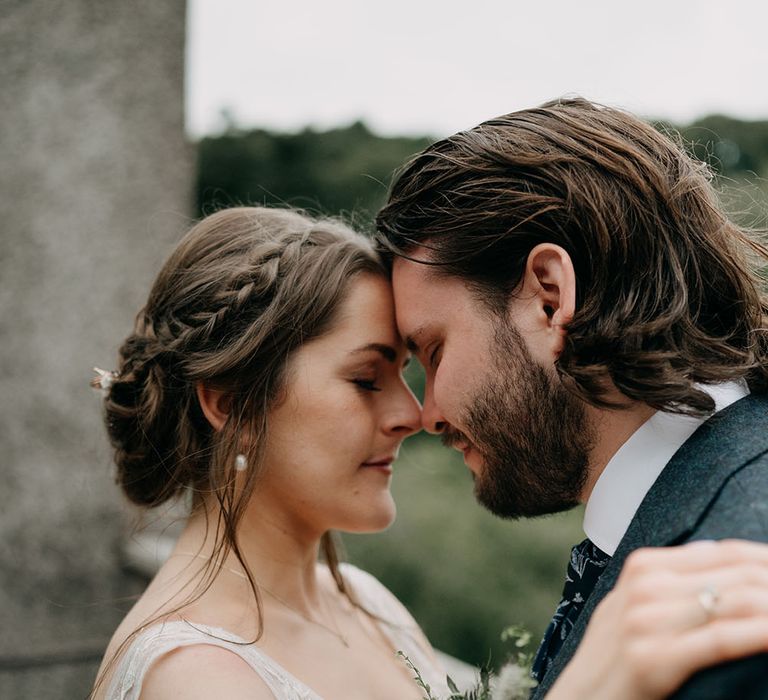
x=145, y=410
x=241, y=292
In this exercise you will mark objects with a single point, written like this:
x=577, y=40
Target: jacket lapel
x=679, y=498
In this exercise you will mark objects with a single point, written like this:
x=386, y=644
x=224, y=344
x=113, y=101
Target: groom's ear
x=548, y=290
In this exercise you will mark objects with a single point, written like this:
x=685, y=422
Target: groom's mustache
x=450, y=437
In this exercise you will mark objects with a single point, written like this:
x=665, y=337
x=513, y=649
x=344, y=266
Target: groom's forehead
x=423, y=296
x=412, y=279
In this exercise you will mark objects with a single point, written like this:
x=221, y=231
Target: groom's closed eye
x=427, y=353
x=433, y=352
x=412, y=340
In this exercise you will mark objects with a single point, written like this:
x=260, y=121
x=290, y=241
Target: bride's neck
x=281, y=559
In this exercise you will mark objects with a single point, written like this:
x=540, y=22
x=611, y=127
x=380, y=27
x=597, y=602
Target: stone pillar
x=95, y=185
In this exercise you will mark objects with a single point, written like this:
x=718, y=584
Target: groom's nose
x=431, y=417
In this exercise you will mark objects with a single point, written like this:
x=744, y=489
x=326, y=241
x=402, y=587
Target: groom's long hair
x=669, y=292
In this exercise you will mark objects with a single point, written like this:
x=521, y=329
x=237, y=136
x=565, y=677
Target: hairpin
x=103, y=379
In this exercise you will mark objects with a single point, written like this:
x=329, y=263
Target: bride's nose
x=404, y=417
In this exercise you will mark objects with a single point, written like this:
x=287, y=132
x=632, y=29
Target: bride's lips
x=383, y=464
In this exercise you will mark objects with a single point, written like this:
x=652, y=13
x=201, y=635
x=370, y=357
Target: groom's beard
x=534, y=436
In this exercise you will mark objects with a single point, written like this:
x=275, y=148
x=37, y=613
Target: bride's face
x=332, y=440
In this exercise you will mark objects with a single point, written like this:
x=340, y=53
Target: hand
x=674, y=611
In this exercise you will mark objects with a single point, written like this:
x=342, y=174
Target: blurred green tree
x=343, y=171
x=732, y=147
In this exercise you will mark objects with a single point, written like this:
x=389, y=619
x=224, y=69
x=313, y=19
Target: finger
x=663, y=662
x=743, y=601
x=721, y=579
x=679, y=614
x=696, y=556
x=719, y=641
x=661, y=585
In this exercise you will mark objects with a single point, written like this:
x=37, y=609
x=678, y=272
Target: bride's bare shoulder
x=203, y=671
x=155, y=607
x=370, y=590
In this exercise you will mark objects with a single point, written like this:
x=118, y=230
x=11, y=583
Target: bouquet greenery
x=513, y=681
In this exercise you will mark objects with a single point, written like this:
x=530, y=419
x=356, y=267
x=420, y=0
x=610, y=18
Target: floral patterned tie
x=584, y=569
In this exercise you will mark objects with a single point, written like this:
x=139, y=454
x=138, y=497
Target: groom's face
x=492, y=393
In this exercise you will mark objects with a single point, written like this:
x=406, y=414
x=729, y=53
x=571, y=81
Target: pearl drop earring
x=241, y=463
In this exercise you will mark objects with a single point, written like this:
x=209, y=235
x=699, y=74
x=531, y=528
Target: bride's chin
x=374, y=520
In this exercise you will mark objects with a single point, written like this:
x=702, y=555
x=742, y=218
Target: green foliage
x=514, y=682
x=520, y=638
x=346, y=171
x=482, y=691
x=343, y=171
x=733, y=147
x=417, y=677
x=737, y=152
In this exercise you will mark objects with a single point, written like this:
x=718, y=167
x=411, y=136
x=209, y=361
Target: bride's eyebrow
x=386, y=351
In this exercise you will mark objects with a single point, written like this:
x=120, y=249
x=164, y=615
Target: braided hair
x=242, y=291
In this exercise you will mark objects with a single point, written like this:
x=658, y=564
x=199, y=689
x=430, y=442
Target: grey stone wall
x=95, y=185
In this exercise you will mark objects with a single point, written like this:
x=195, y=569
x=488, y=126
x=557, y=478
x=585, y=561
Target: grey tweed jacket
x=714, y=487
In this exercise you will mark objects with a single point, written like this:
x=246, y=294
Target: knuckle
x=744, y=600
x=644, y=588
x=738, y=603
x=718, y=640
x=640, y=661
x=755, y=574
x=607, y=607
x=635, y=621
x=639, y=562
x=638, y=591
x=735, y=549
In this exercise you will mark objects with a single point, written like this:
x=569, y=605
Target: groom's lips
x=466, y=449
x=457, y=440
x=460, y=445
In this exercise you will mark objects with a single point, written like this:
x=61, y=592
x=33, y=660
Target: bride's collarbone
x=368, y=667
x=347, y=656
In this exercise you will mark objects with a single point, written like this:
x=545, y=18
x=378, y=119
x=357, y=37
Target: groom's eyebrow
x=386, y=351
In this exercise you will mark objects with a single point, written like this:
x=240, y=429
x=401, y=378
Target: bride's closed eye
x=366, y=384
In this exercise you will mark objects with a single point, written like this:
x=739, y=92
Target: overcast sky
x=433, y=67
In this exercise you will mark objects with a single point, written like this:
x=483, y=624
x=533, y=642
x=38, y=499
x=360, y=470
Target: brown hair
x=242, y=291
x=667, y=287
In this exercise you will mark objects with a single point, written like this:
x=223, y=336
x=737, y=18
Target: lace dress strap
x=154, y=642
x=163, y=638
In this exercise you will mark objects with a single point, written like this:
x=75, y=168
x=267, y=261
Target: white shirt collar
x=637, y=464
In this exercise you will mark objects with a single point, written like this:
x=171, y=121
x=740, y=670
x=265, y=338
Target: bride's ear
x=214, y=403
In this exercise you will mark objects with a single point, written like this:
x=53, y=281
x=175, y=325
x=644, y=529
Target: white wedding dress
x=163, y=638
